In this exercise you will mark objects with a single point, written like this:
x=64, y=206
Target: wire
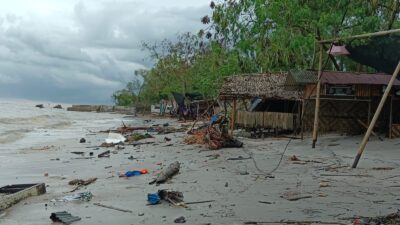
x=302, y=117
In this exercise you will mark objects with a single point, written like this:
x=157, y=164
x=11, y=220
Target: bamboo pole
x=391, y=117
x=317, y=101
x=233, y=116
x=380, y=33
x=303, y=104
x=376, y=115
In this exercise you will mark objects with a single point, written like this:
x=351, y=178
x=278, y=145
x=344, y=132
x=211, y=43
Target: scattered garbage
x=12, y=194
x=153, y=198
x=134, y=173
x=40, y=106
x=57, y=107
x=239, y=158
x=167, y=173
x=82, y=140
x=390, y=219
x=294, y=196
x=173, y=197
x=83, y=196
x=79, y=183
x=104, y=154
x=180, y=219
x=64, y=217
x=115, y=138
x=138, y=137
x=214, y=135
x=294, y=158
x=167, y=139
x=78, y=153
x=112, y=207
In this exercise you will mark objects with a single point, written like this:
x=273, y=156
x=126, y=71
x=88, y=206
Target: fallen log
x=167, y=173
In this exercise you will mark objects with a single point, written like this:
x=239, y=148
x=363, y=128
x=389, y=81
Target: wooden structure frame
x=381, y=103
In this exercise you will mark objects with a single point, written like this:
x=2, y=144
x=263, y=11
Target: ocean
x=22, y=125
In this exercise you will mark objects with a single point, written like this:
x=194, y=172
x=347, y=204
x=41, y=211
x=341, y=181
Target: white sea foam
x=23, y=125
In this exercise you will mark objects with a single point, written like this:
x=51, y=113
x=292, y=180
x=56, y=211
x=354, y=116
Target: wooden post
x=391, y=117
x=233, y=116
x=317, y=100
x=303, y=104
x=376, y=115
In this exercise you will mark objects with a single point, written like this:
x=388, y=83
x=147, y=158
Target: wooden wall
x=285, y=121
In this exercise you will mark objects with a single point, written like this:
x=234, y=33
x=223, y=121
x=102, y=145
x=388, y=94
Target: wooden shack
x=279, y=108
x=348, y=101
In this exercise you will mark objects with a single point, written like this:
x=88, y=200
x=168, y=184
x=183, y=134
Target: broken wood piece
x=104, y=154
x=198, y=202
x=167, y=173
x=112, y=207
x=265, y=202
x=239, y=158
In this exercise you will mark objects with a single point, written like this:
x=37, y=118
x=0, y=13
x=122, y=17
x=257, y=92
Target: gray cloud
x=84, y=52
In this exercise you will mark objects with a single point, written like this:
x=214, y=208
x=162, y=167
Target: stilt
x=317, y=100
x=376, y=115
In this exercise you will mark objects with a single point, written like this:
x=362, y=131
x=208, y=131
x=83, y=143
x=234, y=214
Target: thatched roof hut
x=267, y=85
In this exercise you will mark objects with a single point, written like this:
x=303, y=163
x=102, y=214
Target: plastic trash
x=153, y=199
x=135, y=173
x=115, y=138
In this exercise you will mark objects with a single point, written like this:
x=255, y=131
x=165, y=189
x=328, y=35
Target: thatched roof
x=268, y=85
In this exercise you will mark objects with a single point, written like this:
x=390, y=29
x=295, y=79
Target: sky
x=81, y=51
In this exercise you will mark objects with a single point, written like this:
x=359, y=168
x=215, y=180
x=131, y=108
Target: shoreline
x=208, y=175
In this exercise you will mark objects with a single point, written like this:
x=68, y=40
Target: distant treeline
x=254, y=36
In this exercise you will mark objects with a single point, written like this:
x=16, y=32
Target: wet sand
x=208, y=175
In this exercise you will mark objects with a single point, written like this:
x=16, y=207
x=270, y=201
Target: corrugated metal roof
x=337, y=77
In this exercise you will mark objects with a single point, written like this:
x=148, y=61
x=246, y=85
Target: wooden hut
x=348, y=101
x=280, y=107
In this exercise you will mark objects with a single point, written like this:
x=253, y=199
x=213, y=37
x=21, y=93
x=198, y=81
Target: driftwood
x=198, y=202
x=112, y=207
x=167, y=173
x=80, y=183
x=104, y=154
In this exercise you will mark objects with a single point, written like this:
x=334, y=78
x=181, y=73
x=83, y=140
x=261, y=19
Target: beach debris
x=82, y=140
x=153, y=198
x=198, y=202
x=134, y=173
x=167, y=139
x=41, y=106
x=115, y=138
x=140, y=214
x=173, y=197
x=80, y=183
x=64, y=217
x=239, y=158
x=83, y=196
x=57, y=107
x=167, y=173
x=104, y=154
x=294, y=158
x=390, y=219
x=383, y=168
x=324, y=184
x=78, y=153
x=213, y=135
x=180, y=219
x=112, y=207
x=12, y=194
x=265, y=202
x=131, y=157
x=294, y=196
x=165, y=124
x=137, y=137
x=107, y=145
x=46, y=174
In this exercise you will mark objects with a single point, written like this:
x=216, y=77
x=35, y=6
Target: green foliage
x=246, y=36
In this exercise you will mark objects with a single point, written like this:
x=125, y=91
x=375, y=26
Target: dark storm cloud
x=88, y=52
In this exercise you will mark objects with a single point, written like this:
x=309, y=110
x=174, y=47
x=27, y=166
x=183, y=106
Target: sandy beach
x=241, y=192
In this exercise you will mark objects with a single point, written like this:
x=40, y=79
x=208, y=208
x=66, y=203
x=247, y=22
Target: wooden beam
x=317, y=101
x=380, y=33
x=302, y=118
x=233, y=116
x=376, y=115
x=391, y=117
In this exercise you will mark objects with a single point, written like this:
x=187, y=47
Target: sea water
x=22, y=125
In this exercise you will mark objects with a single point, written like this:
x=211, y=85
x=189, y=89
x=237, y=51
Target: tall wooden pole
x=376, y=115
x=317, y=100
x=391, y=117
x=233, y=116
